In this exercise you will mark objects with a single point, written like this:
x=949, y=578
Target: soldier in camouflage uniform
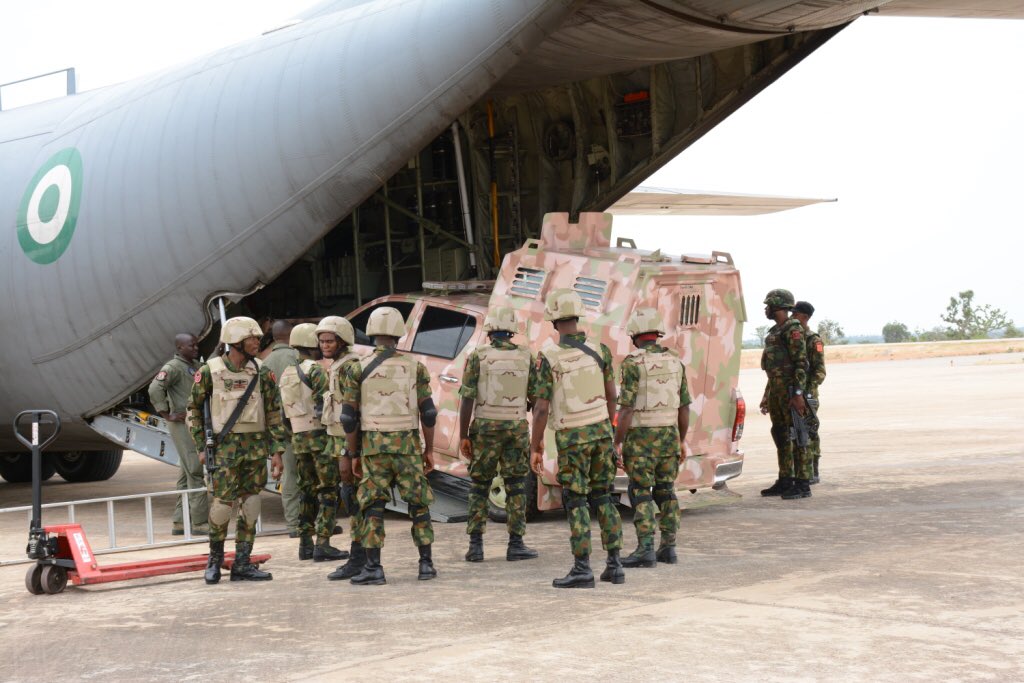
x=785, y=361
x=803, y=311
x=280, y=357
x=243, y=444
x=336, y=337
x=654, y=414
x=169, y=392
x=302, y=386
x=575, y=383
x=386, y=399
x=497, y=385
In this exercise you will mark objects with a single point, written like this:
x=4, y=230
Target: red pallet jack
x=62, y=551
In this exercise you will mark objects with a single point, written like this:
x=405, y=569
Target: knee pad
x=220, y=512
x=481, y=488
x=663, y=493
x=328, y=499
x=419, y=513
x=375, y=509
x=639, y=494
x=428, y=413
x=250, y=508
x=349, y=418
x=599, y=497
x=572, y=500
x=515, y=486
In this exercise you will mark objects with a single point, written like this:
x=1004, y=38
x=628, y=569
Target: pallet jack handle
x=38, y=417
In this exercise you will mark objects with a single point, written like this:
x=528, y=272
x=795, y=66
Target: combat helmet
x=339, y=326
x=562, y=304
x=645, y=320
x=780, y=298
x=304, y=336
x=386, y=322
x=500, y=319
x=237, y=330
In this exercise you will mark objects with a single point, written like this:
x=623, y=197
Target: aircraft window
x=527, y=282
x=359, y=321
x=443, y=332
x=591, y=290
x=689, y=310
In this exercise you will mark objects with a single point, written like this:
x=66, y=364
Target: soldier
x=238, y=400
x=654, y=414
x=785, y=361
x=497, y=381
x=169, y=392
x=282, y=356
x=803, y=311
x=302, y=387
x=575, y=382
x=386, y=398
x=336, y=338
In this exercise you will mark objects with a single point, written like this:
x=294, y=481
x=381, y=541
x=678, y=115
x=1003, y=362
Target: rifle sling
x=239, y=407
x=577, y=344
x=302, y=376
x=372, y=365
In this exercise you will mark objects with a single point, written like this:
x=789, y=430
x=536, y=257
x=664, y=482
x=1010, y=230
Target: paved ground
x=905, y=565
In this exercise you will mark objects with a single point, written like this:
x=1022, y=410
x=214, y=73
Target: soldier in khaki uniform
x=803, y=311
x=169, y=392
x=576, y=384
x=336, y=338
x=302, y=387
x=654, y=414
x=493, y=433
x=280, y=357
x=386, y=398
x=245, y=418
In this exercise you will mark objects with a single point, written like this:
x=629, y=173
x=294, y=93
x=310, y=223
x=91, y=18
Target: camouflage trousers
x=235, y=480
x=347, y=502
x=318, y=493
x=813, y=438
x=380, y=471
x=589, y=469
x=793, y=461
x=651, y=458
x=507, y=451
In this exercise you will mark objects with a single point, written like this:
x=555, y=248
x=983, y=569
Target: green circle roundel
x=49, y=208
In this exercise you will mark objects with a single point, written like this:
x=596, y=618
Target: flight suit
x=815, y=378
x=653, y=384
x=784, y=360
x=169, y=393
x=282, y=356
x=575, y=386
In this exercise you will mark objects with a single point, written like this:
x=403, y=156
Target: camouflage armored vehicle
x=699, y=297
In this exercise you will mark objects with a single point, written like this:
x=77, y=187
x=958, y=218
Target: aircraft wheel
x=34, y=579
x=17, y=467
x=88, y=466
x=53, y=579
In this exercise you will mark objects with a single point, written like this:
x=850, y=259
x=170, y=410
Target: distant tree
x=1011, y=331
x=896, y=333
x=761, y=331
x=831, y=332
x=972, y=322
x=938, y=333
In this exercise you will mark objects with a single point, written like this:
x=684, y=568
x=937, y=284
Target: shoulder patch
x=198, y=377
x=819, y=346
x=161, y=376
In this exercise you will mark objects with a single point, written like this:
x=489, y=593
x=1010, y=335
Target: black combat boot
x=305, y=547
x=427, y=571
x=643, y=556
x=476, y=547
x=613, y=569
x=815, y=479
x=213, y=563
x=372, y=574
x=667, y=554
x=244, y=570
x=579, y=576
x=355, y=564
x=517, y=550
x=778, y=488
x=325, y=551
x=800, y=488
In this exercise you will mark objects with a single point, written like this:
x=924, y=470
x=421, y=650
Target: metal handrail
x=112, y=525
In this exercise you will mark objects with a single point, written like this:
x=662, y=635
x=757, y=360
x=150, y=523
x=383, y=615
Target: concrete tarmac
x=904, y=565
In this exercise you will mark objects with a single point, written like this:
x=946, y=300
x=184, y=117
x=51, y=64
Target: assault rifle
x=798, y=432
x=211, y=443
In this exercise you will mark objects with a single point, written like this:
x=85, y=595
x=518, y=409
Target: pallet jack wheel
x=34, y=579
x=54, y=579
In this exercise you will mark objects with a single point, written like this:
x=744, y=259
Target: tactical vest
x=579, y=398
x=504, y=376
x=228, y=387
x=332, y=399
x=297, y=399
x=388, y=396
x=657, y=396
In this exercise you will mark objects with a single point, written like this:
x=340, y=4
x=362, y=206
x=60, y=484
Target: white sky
x=914, y=125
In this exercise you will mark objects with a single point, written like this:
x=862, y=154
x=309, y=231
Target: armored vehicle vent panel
x=591, y=290
x=527, y=282
x=689, y=310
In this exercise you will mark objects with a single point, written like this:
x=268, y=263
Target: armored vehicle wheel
x=88, y=466
x=54, y=579
x=34, y=579
x=17, y=467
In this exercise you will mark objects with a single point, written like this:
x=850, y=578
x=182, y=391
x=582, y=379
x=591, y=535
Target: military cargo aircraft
x=358, y=151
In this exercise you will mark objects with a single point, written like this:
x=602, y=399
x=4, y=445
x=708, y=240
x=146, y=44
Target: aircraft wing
x=659, y=201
